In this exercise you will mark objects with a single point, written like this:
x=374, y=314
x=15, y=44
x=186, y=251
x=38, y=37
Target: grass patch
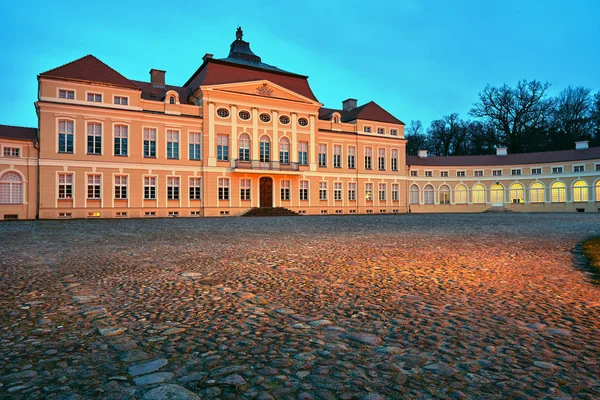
x=591, y=249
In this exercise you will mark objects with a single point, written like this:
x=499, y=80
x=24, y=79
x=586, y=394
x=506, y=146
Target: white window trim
x=94, y=92
x=516, y=169
x=25, y=184
x=122, y=96
x=101, y=199
x=495, y=170
x=167, y=200
x=380, y=127
x=367, y=126
x=167, y=129
x=102, y=136
x=112, y=142
x=155, y=199
x=532, y=168
x=58, y=89
x=63, y=172
x=170, y=93
x=464, y=173
x=557, y=166
x=12, y=146
x=577, y=165
x=128, y=188
x=58, y=119
x=270, y=118
x=189, y=132
x=157, y=141
x=426, y=172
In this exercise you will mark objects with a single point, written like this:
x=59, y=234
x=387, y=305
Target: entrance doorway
x=497, y=195
x=266, y=192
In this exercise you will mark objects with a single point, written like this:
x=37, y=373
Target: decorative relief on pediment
x=264, y=90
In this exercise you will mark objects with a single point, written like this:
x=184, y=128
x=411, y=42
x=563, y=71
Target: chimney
x=501, y=151
x=422, y=153
x=349, y=104
x=157, y=77
x=207, y=56
x=583, y=145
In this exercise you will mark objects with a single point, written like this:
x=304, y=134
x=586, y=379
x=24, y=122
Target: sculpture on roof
x=239, y=33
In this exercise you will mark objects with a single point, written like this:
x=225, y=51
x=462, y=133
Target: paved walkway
x=359, y=307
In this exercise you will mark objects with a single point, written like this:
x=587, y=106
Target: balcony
x=263, y=165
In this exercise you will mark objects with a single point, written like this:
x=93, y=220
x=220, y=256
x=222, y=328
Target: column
x=255, y=134
x=294, y=139
x=212, y=161
x=312, y=149
x=234, y=134
x=275, y=144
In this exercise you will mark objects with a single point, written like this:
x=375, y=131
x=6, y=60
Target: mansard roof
x=510, y=159
x=90, y=69
x=18, y=132
x=370, y=111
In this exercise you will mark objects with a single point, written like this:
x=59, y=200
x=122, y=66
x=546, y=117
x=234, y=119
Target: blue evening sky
x=417, y=59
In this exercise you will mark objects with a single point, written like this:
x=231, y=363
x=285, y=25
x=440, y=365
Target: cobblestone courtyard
x=484, y=306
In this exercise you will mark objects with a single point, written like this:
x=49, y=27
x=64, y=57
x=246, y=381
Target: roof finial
x=239, y=33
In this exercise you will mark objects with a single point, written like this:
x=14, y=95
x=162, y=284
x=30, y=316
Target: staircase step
x=269, y=212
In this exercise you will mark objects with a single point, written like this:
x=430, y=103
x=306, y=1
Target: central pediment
x=261, y=88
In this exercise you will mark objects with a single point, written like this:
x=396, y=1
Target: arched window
x=598, y=191
x=244, y=147
x=444, y=194
x=460, y=194
x=414, y=194
x=265, y=149
x=284, y=150
x=497, y=194
x=428, y=194
x=478, y=194
x=172, y=100
x=536, y=193
x=11, y=188
x=580, y=192
x=559, y=192
x=516, y=193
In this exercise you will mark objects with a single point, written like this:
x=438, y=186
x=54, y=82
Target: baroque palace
x=241, y=134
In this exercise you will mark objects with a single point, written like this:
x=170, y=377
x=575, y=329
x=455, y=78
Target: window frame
x=173, y=187
x=67, y=134
x=245, y=189
x=121, y=186
x=95, y=135
x=195, y=152
x=120, y=138
x=195, y=190
x=223, y=186
x=144, y=140
x=95, y=94
x=58, y=90
x=116, y=96
x=172, y=147
x=96, y=188
x=150, y=188
x=222, y=149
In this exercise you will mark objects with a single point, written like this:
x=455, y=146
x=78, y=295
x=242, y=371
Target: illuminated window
x=497, y=194
x=460, y=194
x=536, y=193
x=368, y=191
x=580, y=192
x=444, y=194
x=414, y=194
x=559, y=192
x=428, y=194
x=478, y=193
x=516, y=192
x=598, y=191
x=11, y=188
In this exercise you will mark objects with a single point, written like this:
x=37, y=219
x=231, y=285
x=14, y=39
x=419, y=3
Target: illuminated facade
x=241, y=134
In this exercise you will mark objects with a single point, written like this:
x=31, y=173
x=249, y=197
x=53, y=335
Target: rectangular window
x=94, y=138
x=414, y=173
x=322, y=155
x=394, y=160
x=65, y=136
x=367, y=129
x=223, y=189
x=149, y=143
x=95, y=97
x=245, y=185
x=303, y=153
x=351, y=157
x=223, y=148
x=149, y=188
x=120, y=186
x=536, y=171
x=195, y=146
x=121, y=134
x=478, y=173
x=121, y=100
x=352, y=191
x=285, y=190
x=12, y=152
x=381, y=191
x=172, y=188
x=172, y=144
x=381, y=160
x=515, y=171
x=597, y=167
x=497, y=172
x=444, y=174
x=381, y=131
x=460, y=173
x=368, y=158
x=66, y=94
x=195, y=188
x=578, y=168
x=337, y=191
x=395, y=192
x=65, y=186
x=93, y=188
x=322, y=190
x=394, y=132
x=429, y=173
x=557, y=170
x=337, y=156
x=303, y=190
x=368, y=191
x=284, y=151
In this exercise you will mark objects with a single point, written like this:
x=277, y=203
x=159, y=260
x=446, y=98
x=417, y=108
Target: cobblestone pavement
x=483, y=306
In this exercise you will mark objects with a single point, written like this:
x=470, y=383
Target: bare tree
x=416, y=138
x=514, y=111
x=595, y=116
x=447, y=135
x=572, y=116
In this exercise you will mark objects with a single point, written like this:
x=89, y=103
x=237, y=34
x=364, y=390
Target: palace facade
x=241, y=134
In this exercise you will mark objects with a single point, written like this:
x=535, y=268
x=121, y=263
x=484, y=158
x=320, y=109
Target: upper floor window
x=597, y=167
x=11, y=188
x=95, y=97
x=194, y=145
x=302, y=121
x=284, y=150
x=265, y=149
x=428, y=173
x=368, y=157
x=367, y=129
x=121, y=100
x=94, y=138
x=478, y=173
x=443, y=174
x=66, y=94
x=172, y=144
x=12, y=152
x=557, y=170
x=381, y=159
x=336, y=120
x=578, y=168
x=222, y=147
x=65, y=136
x=221, y=112
x=244, y=115
x=322, y=155
x=394, y=159
x=536, y=171
x=172, y=101
x=414, y=173
x=303, y=153
x=351, y=157
x=264, y=117
x=394, y=132
x=65, y=186
x=381, y=131
x=515, y=171
x=497, y=172
x=284, y=119
x=121, y=133
x=460, y=173
x=149, y=143
x=244, y=149
x=337, y=156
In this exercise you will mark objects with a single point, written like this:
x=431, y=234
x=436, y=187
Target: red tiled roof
x=370, y=112
x=150, y=92
x=89, y=69
x=18, y=132
x=215, y=72
x=510, y=159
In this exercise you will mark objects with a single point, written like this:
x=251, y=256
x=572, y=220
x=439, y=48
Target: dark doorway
x=266, y=192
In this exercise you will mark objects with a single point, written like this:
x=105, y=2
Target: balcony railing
x=264, y=165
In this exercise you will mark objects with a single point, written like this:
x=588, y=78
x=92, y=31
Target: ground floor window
x=580, y=192
x=195, y=188
x=303, y=190
x=223, y=188
x=11, y=188
x=245, y=186
x=65, y=186
x=337, y=191
x=516, y=193
x=559, y=192
x=149, y=188
x=395, y=192
x=536, y=193
x=172, y=188
x=285, y=190
x=322, y=190
x=352, y=191
x=497, y=194
x=478, y=194
x=428, y=195
x=382, y=191
x=120, y=187
x=414, y=194
x=445, y=194
x=93, y=189
x=460, y=194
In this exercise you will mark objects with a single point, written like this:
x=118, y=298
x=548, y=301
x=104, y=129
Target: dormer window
x=172, y=100
x=336, y=120
x=95, y=97
x=66, y=94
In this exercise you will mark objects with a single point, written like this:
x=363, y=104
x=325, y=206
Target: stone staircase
x=498, y=209
x=269, y=212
